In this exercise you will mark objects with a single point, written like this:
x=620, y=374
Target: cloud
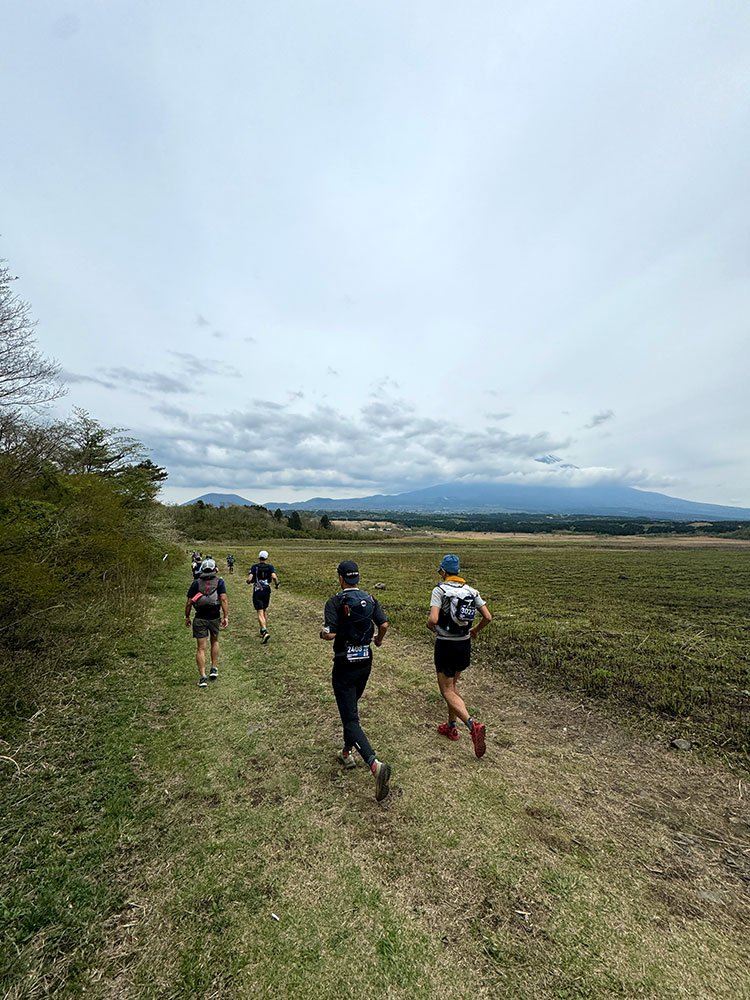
x=146, y=381
x=201, y=320
x=193, y=367
x=296, y=395
x=249, y=340
x=72, y=378
x=190, y=371
x=548, y=459
x=331, y=371
x=381, y=448
x=141, y=382
x=384, y=384
x=600, y=418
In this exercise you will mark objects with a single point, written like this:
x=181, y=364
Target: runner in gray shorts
x=207, y=596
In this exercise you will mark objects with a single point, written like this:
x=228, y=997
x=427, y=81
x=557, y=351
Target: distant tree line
x=553, y=524
x=240, y=524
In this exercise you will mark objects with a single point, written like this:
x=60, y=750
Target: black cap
x=349, y=570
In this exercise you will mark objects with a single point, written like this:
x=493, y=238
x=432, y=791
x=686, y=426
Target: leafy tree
x=325, y=522
x=278, y=516
x=28, y=451
x=94, y=448
x=294, y=521
x=139, y=484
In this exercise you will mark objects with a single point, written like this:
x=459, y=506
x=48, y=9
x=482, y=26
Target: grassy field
x=660, y=629
x=152, y=830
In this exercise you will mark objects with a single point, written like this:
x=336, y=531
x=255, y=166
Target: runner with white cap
x=261, y=575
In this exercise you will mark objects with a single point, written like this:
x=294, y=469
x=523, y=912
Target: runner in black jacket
x=353, y=619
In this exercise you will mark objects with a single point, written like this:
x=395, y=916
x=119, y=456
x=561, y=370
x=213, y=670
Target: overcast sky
x=348, y=247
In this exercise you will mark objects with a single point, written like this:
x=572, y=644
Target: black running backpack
x=357, y=609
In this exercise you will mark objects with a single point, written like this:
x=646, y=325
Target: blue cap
x=450, y=564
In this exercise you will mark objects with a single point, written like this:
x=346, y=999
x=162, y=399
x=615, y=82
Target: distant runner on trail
x=350, y=618
x=195, y=562
x=261, y=575
x=230, y=563
x=453, y=609
x=208, y=596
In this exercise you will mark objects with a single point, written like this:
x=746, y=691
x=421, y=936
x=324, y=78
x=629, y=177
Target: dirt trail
x=684, y=823
x=575, y=859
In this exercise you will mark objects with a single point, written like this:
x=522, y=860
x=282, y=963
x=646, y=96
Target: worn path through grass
x=572, y=862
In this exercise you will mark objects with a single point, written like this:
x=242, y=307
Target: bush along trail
x=161, y=840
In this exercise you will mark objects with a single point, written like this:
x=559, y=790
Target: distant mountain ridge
x=511, y=498
x=514, y=498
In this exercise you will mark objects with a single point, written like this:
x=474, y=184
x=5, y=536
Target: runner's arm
x=484, y=611
x=436, y=603
x=275, y=579
x=432, y=618
x=330, y=620
x=188, y=609
x=380, y=635
x=224, y=609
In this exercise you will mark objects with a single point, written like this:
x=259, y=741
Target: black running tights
x=348, y=686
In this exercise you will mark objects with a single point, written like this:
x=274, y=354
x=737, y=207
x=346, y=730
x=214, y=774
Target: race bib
x=356, y=653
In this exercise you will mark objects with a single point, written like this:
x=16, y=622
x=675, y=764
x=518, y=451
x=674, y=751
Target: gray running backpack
x=208, y=593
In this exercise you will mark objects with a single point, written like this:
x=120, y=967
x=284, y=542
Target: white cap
x=208, y=566
x=263, y=554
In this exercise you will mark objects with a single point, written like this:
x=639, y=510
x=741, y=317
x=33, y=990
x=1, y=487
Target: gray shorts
x=203, y=627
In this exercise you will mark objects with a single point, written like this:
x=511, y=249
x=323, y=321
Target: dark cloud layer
x=382, y=447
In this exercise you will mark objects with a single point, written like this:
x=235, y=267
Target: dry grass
x=576, y=861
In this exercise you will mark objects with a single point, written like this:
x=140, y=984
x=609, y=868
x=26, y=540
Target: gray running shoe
x=265, y=637
x=203, y=682
x=346, y=759
x=214, y=673
x=382, y=779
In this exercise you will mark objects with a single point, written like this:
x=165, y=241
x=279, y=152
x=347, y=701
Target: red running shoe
x=477, y=738
x=450, y=731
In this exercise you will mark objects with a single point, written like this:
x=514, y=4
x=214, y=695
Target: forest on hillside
x=239, y=524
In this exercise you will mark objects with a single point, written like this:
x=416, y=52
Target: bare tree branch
x=27, y=377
